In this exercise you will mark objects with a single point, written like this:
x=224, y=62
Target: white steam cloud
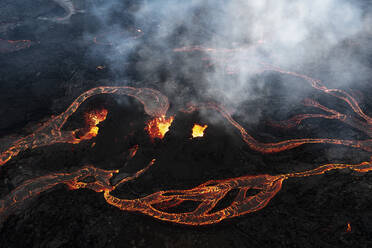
x=303, y=36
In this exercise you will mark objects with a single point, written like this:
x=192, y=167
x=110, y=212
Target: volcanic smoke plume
x=185, y=123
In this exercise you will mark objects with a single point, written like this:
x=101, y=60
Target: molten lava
x=159, y=126
x=348, y=227
x=92, y=119
x=155, y=104
x=159, y=204
x=198, y=130
x=133, y=151
x=207, y=195
x=360, y=121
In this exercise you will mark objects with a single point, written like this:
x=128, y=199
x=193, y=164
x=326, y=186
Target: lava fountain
x=198, y=130
x=158, y=127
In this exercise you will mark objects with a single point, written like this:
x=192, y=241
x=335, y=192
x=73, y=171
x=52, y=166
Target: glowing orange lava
x=362, y=121
x=159, y=126
x=159, y=204
x=198, y=130
x=92, y=119
x=155, y=104
x=348, y=227
x=133, y=151
x=207, y=195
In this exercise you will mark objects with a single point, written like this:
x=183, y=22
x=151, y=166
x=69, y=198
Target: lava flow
x=362, y=123
x=159, y=204
x=70, y=9
x=8, y=46
x=198, y=130
x=132, y=151
x=80, y=179
x=158, y=127
x=155, y=105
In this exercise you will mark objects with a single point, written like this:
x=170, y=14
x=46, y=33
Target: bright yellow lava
x=158, y=127
x=198, y=130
